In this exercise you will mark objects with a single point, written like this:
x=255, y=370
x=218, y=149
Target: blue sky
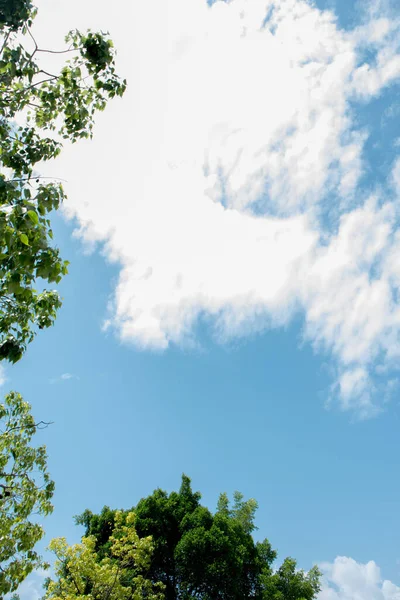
x=240, y=363
x=247, y=416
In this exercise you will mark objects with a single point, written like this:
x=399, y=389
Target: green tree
x=81, y=573
x=26, y=491
x=37, y=110
x=289, y=583
x=205, y=556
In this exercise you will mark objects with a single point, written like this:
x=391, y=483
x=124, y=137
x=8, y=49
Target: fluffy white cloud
x=346, y=579
x=212, y=182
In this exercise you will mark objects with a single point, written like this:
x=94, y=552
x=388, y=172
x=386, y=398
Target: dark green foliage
x=14, y=13
x=205, y=556
x=32, y=102
x=97, y=51
x=101, y=526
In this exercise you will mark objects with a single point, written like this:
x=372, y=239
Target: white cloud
x=66, y=376
x=396, y=174
x=210, y=181
x=346, y=579
x=382, y=35
x=63, y=377
x=3, y=377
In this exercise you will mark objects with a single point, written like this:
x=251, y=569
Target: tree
x=288, y=583
x=205, y=556
x=37, y=110
x=26, y=491
x=82, y=574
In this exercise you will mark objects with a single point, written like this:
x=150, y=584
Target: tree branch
x=38, y=425
x=59, y=51
x=5, y=41
x=36, y=177
x=33, y=85
x=34, y=41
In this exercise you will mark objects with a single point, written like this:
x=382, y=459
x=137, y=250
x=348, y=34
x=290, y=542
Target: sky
x=231, y=310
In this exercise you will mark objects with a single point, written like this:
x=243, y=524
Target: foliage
x=205, y=556
x=81, y=574
x=13, y=13
x=26, y=491
x=288, y=583
x=37, y=110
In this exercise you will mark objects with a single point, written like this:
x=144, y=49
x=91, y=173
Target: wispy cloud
x=236, y=177
x=63, y=377
x=66, y=376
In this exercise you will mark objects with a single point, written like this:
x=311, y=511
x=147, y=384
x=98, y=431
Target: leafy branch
x=63, y=103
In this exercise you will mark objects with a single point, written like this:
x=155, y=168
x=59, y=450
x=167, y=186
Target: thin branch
x=12, y=137
x=5, y=41
x=36, y=177
x=34, y=41
x=59, y=51
x=38, y=425
x=24, y=143
x=114, y=583
x=51, y=78
x=74, y=580
x=47, y=73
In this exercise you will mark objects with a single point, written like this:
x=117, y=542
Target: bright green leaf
x=24, y=239
x=33, y=216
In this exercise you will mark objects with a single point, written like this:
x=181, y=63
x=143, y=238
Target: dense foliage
x=38, y=109
x=205, y=556
x=80, y=573
x=26, y=492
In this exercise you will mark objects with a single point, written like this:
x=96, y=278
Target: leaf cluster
x=14, y=13
x=81, y=573
x=39, y=109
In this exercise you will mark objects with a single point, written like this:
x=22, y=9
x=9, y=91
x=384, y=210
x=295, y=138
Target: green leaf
x=33, y=216
x=24, y=239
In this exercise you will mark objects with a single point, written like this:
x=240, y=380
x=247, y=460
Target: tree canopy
x=203, y=555
x=38, y=109
x=80, y=573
